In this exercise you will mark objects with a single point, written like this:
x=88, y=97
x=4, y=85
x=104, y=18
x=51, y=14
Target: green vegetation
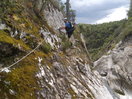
x=130, y=10
x=65, y=45
x=21, y=80
x=4, y=37
x=120, y=92
x=127, y=30
x=65, y=42
x=5, y=6
x=71, y=91
x=100, y=37
x=46, y=48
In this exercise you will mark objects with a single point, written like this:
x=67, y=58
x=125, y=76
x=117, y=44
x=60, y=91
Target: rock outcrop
x=38, y=62
x=116, y=68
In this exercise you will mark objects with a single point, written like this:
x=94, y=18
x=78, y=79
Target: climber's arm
x=62, y=28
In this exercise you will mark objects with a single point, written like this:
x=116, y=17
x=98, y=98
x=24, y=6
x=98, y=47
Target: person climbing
x=68, y=27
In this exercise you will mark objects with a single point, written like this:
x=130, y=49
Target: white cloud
x=82, y=20
x=85, y=3
x=82, y=4
x=92, y=11
x=115, y=15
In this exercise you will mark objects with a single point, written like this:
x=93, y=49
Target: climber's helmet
x=65, y=19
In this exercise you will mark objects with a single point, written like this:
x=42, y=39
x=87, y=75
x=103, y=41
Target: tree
x=70, y=13
x=67, y=9
x=130, y=10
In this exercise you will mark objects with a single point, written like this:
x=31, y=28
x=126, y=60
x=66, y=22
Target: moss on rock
x=4, y=37
x=22, y=81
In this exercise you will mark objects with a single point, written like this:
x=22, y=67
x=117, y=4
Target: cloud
x=115, y=15
x=90, y=11
x=85, y=3
x=83, y=20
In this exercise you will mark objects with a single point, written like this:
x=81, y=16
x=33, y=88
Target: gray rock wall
x=116, y=68
x=50, y=12
x=53, y=16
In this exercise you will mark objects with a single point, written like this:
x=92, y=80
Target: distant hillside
x=102, y=37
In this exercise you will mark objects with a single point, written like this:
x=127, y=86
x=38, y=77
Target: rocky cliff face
x=116, y=68
x=38, y=62
x=50, y=10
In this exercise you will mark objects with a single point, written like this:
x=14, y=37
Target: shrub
x=46, y=48
x=65, y=42
x=65, y=45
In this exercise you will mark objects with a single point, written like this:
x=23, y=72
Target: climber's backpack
x=69, y=27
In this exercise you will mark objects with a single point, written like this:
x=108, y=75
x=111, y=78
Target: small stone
x=103, y=73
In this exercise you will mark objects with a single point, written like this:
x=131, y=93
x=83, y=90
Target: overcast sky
x=99, y=11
